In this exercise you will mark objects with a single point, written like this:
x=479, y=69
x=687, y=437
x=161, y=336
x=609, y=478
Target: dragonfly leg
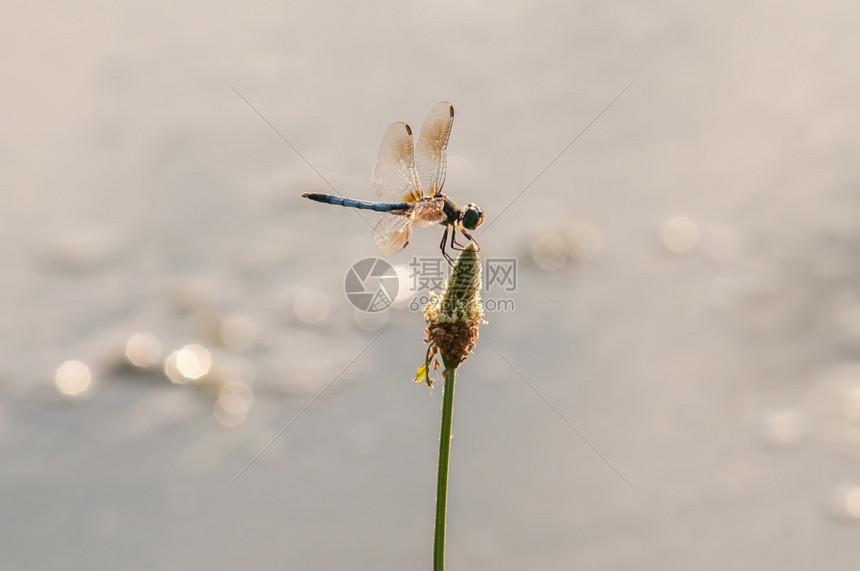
x=443, y=243
x=471, y=239
x=458, y=246
x=455, y=245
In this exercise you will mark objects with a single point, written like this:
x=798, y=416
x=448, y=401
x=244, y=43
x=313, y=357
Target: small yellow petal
x=421, y=374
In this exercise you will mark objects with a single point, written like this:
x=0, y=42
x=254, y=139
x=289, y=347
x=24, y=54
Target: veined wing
x=392, y=233
x=394, y=178
x=431, y=159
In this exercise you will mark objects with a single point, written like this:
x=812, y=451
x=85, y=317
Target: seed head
x=453, y=317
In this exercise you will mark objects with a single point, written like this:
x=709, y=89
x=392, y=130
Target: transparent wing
x=392, y=233
x=394, y=178
x=429, y=211
x=430, y=157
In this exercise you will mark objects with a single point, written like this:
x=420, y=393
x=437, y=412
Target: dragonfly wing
x=392, y=233
x=394, y=178
x=429, y=212
x=431, y=157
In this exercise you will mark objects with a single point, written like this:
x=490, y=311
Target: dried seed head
x=453, y=318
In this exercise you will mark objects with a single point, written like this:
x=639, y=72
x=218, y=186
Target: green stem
x=442, y=481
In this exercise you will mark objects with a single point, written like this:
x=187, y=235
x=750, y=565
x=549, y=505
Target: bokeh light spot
x=233, y=404
x=311, y=306
x=680, y=234
x=549, y=251
x=143, y=350
x=852, y=503
x=188, y=364
x=73, y=378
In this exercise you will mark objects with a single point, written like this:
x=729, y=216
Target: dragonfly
x=409, y=182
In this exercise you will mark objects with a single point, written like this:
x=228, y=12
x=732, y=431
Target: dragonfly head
x=472, y=216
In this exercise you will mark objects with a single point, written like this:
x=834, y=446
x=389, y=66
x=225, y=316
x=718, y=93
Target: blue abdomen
x=362, y=204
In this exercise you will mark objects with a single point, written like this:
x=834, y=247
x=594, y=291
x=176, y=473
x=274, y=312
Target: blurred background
x=687, y=291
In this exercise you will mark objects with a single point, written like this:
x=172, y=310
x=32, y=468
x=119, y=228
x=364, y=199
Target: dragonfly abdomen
x=362, y=204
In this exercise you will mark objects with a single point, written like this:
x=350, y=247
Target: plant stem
x=442, y=481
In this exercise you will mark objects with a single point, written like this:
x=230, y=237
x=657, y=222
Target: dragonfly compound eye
x=472, y=217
